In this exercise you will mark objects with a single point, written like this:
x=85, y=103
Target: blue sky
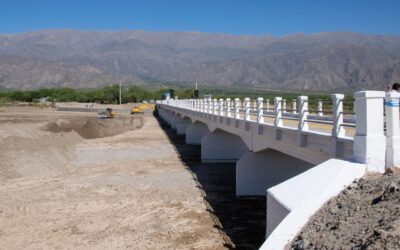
x=253, y=17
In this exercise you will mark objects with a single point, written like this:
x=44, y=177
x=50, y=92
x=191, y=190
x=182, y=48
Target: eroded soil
x=364, y=216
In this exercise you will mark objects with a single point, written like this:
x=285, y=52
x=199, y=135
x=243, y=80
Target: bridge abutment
x=221, y=146
x=196, y=131
x=256, y=172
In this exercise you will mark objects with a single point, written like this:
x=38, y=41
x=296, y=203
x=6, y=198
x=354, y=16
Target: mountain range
x=87, y=59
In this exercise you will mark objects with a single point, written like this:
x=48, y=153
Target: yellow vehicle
x=143, y=108
x=137, y=110
x=109, y=113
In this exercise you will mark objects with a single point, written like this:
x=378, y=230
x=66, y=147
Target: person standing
x=396, y=87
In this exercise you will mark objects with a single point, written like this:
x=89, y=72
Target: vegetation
x=110, y=94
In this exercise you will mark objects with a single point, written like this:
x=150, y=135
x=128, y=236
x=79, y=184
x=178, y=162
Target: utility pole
x=120, y=93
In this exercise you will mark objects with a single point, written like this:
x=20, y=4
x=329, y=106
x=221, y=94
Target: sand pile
x=37, y=147
x=364, y=216
x=91, y=127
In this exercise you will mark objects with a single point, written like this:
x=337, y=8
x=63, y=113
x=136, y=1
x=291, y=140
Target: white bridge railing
x=367, y=125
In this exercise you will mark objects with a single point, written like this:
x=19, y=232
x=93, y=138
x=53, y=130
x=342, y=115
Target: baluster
x=247, y=109
x=228, y=107
x=260, y=113
x=237, y=103
x=320, y=108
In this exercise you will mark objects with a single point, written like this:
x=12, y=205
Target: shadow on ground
x=241, y=221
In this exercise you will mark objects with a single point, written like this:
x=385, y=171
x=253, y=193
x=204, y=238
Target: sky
x=247, y=17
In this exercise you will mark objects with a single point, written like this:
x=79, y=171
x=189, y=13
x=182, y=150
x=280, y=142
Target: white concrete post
x=294, y=106
x=208, y=104
x=303, y=113
x=278, y=112
x=283, y=105
x=228, y=107
x=201, y=105
x=392, y=129
x=237, y=103
x=260, y=111
x=221, y=107
x=319, y=109
x=369, y=145
x=337, y=115
x=215, y=107
x=303, y=124
x=246, y=108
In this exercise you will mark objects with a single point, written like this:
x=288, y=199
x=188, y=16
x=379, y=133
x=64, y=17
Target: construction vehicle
x=108, y=113
x=143, y=108
x=137, y=110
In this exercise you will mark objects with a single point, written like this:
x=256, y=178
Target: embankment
x=366, y=215
x=41, y=147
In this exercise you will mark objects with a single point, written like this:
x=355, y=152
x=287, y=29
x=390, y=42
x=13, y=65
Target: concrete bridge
x=299, y=158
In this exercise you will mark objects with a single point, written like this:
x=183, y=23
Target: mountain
x=85, y=59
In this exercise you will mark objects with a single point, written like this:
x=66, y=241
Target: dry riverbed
x=60, y=190
x=72, y=181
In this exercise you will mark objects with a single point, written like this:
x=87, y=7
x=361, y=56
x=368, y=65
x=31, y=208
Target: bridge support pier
x=196, y=131
x=221, y=146
x=182, y=125
x=175, y=119
x=256, y=172
x=167, y=116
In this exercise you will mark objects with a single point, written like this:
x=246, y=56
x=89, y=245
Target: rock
x=392, y=187
x=301, y=244
x=393, y=170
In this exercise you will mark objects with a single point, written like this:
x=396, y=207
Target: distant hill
x=320, y=62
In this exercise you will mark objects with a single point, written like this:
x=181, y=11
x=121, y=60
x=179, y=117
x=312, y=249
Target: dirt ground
x=131, y=190
x=72, y=181
x=364, y=216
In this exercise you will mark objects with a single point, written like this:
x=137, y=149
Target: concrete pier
x=182, y=125
x=221, y=146
x=256, y=172
x=195, y=132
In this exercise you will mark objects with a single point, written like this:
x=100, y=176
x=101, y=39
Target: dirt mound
x=92, y=127
x=364, y=216
x=45, y=146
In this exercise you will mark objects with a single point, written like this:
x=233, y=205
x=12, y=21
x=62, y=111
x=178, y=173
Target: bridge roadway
x=299, y=160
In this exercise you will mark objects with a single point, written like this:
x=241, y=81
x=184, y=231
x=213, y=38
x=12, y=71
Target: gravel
x=366, y=215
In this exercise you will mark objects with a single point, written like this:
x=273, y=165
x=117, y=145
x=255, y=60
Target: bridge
x=296, y=156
